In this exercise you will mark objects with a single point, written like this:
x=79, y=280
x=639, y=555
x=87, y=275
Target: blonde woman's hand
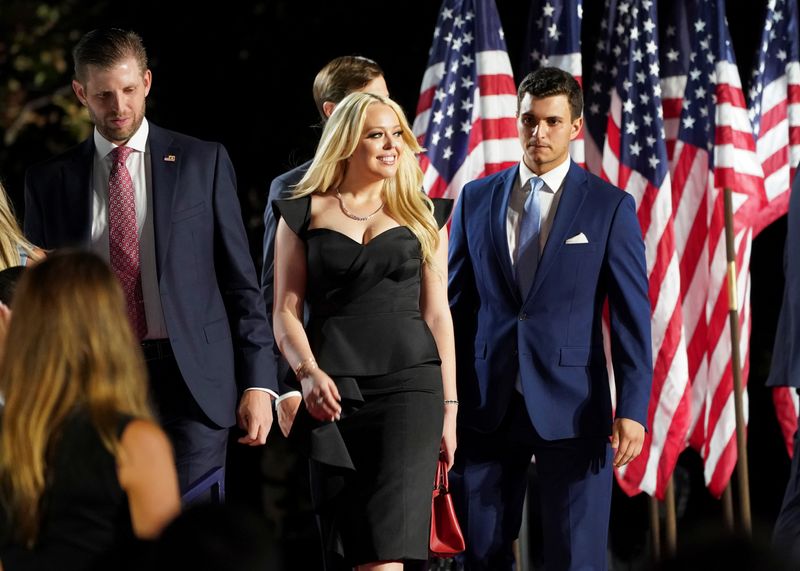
x=321, y=396
x=448, y=446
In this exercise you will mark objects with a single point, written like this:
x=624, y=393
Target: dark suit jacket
x=553, y=338
x=785, y=368
x=209, y=290
x=281, y=187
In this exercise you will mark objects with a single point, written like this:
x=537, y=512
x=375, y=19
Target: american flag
x=554, y=39
x=712, y=147
x=467, y=104
x=774, y=103
x=597, y=90
x=624, y=80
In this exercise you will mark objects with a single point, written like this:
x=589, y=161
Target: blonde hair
x=11, y=236
x=69, y=346
x=402, y=194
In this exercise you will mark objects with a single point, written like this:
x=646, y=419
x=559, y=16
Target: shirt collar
x=553, y=179
x=138, y=142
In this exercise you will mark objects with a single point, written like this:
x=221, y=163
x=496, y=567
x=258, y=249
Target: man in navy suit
x=535, y=251
x=162, y=208
x=785, y=371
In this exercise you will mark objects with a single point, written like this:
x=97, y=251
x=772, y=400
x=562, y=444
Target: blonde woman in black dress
x=367, y=249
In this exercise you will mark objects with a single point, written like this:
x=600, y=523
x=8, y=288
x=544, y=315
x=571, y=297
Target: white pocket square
x=578, y=239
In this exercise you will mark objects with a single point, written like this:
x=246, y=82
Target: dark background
x=241, y=73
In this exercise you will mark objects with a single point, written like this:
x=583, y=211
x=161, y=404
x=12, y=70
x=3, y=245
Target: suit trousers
x=198, y=443
x=489, y=481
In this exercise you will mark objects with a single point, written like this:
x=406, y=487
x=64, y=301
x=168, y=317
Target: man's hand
x=287, y=410
x=627, y=439
x=255, y=416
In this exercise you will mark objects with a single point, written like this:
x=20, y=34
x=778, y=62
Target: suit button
x=515, y=353
x=523, y=316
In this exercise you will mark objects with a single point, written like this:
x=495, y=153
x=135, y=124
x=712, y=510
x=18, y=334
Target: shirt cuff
x=290, y=394
x=270, y=392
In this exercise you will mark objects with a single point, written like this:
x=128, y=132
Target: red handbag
x=446, y=537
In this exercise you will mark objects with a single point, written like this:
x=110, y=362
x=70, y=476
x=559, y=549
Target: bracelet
x=450, y=401
x=304, y=368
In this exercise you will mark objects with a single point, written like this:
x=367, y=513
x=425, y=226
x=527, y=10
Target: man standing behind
x=535, y=251
x=785, y=371
x=161, y=207
x=340, y=77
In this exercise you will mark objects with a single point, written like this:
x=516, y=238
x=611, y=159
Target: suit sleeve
x=785, y=365
x=32, y=224
x=629, y=308
x=462, y=291
x=277, y=190
x=236, y=275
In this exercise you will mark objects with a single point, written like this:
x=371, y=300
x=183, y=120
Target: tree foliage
x=39, y=114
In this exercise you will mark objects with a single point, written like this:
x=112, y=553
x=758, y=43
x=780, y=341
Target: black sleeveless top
x=85, y=514
x=364, y=316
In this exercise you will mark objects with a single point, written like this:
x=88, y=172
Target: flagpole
x=743, y=484
x=727, y=508
x=671, y=522
x=655, y=530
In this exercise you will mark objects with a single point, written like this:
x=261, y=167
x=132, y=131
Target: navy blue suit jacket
x=785, y=368
x=553, y=337
x=212, y=306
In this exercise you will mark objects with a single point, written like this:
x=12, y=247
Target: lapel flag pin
x=169, y=158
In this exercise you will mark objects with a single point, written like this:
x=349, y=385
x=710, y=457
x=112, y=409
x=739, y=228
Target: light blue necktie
x=528, y=247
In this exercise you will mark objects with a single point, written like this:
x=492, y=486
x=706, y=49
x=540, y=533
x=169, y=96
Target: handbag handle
x=442, y=483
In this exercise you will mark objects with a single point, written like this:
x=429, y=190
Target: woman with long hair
x=366, y=249
x=84, y=469
x=15, y=249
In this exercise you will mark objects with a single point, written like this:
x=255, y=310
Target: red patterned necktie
x=123, y=238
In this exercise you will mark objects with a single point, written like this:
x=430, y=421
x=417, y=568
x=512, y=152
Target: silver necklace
x=352, y=215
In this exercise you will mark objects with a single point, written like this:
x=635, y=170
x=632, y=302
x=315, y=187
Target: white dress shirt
x=138, y=164
x=549, y=196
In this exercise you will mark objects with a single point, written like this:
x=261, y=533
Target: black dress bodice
x=364, y=312
x=85, y=514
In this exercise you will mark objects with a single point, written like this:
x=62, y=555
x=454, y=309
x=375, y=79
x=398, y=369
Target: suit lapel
x=572, y=197
x=165, y=157
x=501, y=193
x=77, y=180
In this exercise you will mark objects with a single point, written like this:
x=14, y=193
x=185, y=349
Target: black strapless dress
x=371, y=472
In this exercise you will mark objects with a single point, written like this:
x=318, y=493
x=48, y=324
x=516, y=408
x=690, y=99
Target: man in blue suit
x=785, y=371
x=162, y=208
x=535, y=251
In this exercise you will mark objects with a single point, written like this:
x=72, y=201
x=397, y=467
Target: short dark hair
x=342, y=76
x=549, y=81
x=104, y=47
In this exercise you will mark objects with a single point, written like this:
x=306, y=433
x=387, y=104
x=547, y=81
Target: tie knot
x=535, y=183
x=120, y=154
